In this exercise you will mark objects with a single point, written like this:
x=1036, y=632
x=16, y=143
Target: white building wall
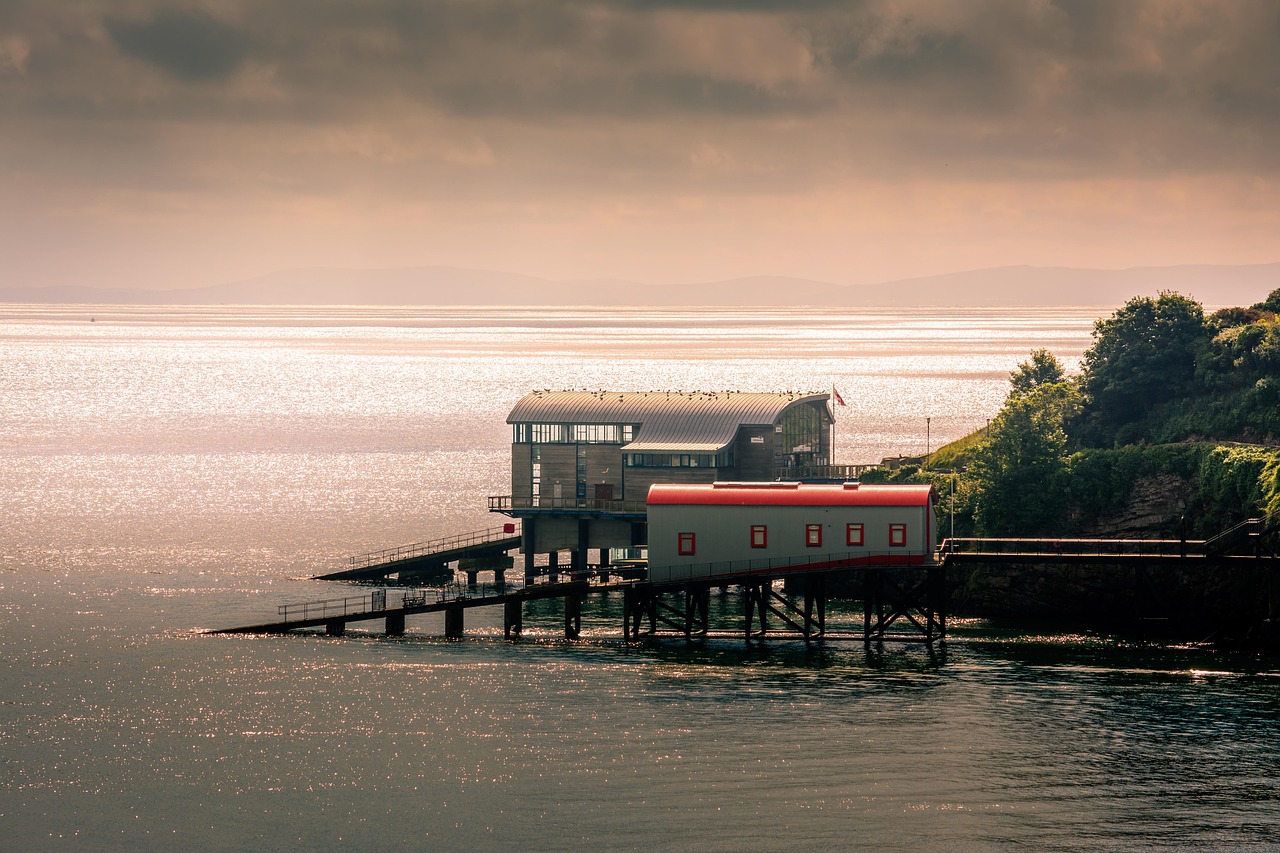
x=723, y=534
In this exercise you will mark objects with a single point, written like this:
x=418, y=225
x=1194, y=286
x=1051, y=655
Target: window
x=853, y=534
x=759, y=536
x=723, y=459
x=686, y=544
x=897, y=535
x=537, y=433
x=813, y=535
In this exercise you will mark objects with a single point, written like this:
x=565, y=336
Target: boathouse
x=582, y=462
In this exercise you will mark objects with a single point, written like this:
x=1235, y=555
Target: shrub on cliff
x=1142, y=356
x=1017, y=472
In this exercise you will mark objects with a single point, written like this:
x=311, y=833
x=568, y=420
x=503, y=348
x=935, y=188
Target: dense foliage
x=1167, y=397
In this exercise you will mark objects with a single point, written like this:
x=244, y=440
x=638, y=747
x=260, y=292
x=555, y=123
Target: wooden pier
x=426, y=560
x=903, y=603
x=900, y=602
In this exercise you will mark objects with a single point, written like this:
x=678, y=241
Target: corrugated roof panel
x=788, y=494
x=688, y=421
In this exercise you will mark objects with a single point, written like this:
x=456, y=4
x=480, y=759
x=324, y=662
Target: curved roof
x=789, y=494
x=684, y=421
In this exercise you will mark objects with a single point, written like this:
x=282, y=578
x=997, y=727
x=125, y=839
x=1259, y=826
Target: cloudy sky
x=174, y=144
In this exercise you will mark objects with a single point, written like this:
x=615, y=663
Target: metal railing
x=382, y=599
x=1074, y=547
x=785, y=565
x=448, y=543
x=1227, y=537
x=822, y=472
x=510, y=503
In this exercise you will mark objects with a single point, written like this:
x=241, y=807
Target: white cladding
x=722, y=539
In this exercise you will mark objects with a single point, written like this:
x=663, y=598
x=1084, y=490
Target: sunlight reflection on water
x=168, y=469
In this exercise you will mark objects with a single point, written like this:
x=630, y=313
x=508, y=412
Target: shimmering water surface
x=166, y=470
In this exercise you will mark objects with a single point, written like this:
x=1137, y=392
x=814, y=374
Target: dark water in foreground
x=160, y=475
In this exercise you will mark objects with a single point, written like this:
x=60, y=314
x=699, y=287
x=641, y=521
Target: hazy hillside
x=1000, y=286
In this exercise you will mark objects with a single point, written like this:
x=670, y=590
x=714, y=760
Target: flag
x=836, y=394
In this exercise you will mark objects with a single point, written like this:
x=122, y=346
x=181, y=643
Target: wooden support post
x=527, y=544
x=579, y=557
x=572, y=617
x=395, y=625
x=815, y=608
x=335, y=628
x=472, y=579
x=512, y=617
x=636, y=606
x=872, y=605
x=1273, y=599
x=629, y=632
x=696, y=605
x=757, y=600
x=453, y=621
x=936, y=598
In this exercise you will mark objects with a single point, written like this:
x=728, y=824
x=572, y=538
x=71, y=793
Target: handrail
x=1211, y=544
x=1070, y=547
x=1095, y=547
x=405, y=552
x=764, y=565
x=510, y=503
x=825, y=472
x=380, y=600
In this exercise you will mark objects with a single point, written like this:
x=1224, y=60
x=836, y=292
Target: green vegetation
x=1173, y=426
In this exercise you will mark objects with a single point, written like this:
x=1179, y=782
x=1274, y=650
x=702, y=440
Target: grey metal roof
x=670, y=421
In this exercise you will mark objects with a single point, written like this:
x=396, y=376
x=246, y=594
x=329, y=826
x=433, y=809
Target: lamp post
x=928, y=435
x=953, y=507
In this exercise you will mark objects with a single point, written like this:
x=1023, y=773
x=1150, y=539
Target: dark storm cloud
x=645, y=95
x=780, y=6
x=1042, y=86
x=187, y=44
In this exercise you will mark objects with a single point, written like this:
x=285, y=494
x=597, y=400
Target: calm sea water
x=168, y=470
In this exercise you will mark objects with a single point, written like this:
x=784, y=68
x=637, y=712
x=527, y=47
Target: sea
x=169, y=470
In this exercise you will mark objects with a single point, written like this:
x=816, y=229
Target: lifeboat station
x=661, y=496
x=689, y=491
x=583, y=462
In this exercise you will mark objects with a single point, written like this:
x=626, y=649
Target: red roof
x=789, y=494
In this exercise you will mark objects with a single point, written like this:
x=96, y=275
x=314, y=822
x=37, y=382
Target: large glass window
x=813, y=535
x=723, y=459
x=853, y=534
x=802, y=430
x=759, y=536
x=897, y=535
x=573, y=433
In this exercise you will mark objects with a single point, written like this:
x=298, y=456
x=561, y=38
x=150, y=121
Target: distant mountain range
x=1213, y=285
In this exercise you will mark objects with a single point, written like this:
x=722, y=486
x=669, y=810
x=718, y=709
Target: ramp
x=427, y=558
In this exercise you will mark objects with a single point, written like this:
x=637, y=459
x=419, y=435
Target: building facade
x=582, y=462
x=699, y=532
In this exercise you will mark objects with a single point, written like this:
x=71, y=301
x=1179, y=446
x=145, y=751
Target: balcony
x=821, y=472
x=524, y=505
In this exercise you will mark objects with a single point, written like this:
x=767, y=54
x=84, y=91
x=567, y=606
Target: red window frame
x=813, y=535
x=897, y=535
x=759, y=536
x=686, y=544
x=854, y=534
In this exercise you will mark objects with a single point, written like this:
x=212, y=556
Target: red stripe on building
x=789, y=494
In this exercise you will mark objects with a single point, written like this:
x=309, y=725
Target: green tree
x=1143, y=355
x=1271, y=303
x=1042, y=368
x=1018, y=472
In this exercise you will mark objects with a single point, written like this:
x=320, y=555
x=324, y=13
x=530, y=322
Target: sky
x=168, y=144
